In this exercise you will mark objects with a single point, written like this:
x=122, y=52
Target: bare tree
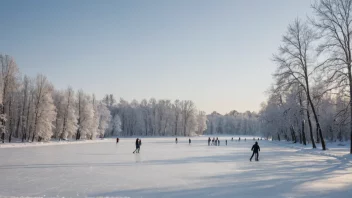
x=295, y=60
x=9, y=74
x=334, y=22
x=188, y=110
x=177, y=112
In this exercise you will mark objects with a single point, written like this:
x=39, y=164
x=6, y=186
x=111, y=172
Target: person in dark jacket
x=255, y=149
x=137, y=145
x=176, y=140
x=209, y=141
x=226, y=142
x=189, y=141
x=117, y=140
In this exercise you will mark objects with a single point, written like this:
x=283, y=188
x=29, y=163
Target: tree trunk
x=350, y=82
x=303, y=134
x=310, y=127
x=318, y=125
x=317, y=134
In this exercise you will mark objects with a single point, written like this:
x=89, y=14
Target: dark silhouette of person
x=239, y=139
x=218, y=141
x=255, y=149
x=189, y=141
x=212, y=142
x=209, y=141
x=117, y=140
x=137, y=146
x=245, y=139
x=226, y=142
x=176, y=140
x=232, y=139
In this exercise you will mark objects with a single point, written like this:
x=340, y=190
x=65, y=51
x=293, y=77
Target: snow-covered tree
x=44, y=109
x=84, y=114
x=201, y=122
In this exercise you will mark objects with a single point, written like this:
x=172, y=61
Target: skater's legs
x=257, y=156
x=252, y=156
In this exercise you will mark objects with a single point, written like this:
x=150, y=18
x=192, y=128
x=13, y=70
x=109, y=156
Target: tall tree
x=44, y=109
x=333, y=19
x=296, y=62
x=188, y=111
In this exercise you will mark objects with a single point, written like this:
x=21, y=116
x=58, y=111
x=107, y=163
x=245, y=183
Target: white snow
x=164, y=169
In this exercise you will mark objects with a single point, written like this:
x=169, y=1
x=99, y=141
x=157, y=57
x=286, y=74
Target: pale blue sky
x=216, y=53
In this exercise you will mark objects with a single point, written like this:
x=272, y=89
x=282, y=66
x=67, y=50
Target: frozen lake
x=166, y=169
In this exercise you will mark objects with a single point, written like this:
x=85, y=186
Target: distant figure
x=232, y=139
x=140, y=144
x=258, y=139
x=209, y=140
x=255, y=149
x=176, y=140
x=212, y=142
x=137, y=146
x=218, y=141
x=226, y=142
x=117, y=140
x=189, y=141
x=239, y=139
x=245, y=139
x=253, y=138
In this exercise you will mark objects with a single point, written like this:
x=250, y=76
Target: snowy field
x=164, y=169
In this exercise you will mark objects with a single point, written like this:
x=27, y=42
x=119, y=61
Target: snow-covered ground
x=164, y=169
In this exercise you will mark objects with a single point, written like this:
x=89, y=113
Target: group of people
x=215, y=142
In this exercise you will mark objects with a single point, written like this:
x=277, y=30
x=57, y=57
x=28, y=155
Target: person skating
x=255, y=149
x=232, y=139
x=176, y=140
x=218, y=142
x=117, y=140
x=189, y=141
x=212, y=142
x=209, y=141
x=226, y=142
x=239, y=139
x=137, y=145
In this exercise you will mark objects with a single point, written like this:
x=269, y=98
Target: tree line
x=234, y=123
x=310, y=100
x=31, y=109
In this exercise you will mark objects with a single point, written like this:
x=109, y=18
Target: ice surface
x=166, y=169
